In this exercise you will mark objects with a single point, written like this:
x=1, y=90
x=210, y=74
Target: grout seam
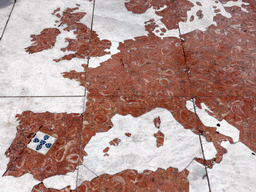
x=8, y=20
x=192, y=97
x=85, y=94
x=8, y=168
x=202, y=148
x=91, y=171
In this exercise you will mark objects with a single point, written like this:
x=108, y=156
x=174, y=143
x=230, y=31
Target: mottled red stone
x=141, y=6
x=200, y=14
x=221, y=62
x=221, y=59
x=115, y=142
x=130, y=180
x=159, y=138
x=237, y=111
x=147, y=66
x=175, y=12
x=62, y=157
x=157, y=122
x=172, y=14
x=86, y=43
x=46, y=40
x=79, y=76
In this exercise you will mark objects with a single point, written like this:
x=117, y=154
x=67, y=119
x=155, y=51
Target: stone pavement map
x=128, y=95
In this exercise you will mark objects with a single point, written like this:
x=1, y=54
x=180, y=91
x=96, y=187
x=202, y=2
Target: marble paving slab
x=31, y=42
x=10, y=107
x=233, y=121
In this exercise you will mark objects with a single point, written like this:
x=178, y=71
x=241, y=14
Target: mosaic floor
x=128, y=95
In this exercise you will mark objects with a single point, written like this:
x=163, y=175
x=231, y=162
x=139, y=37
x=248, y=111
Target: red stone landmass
x=62, y=157
x=221, y=59
x=46, y=40
x=87, y=42
x=115, y=142
x=130, y=180
x=157, y=122
x=143, y=76
x=125, y=74
x=159, y=138
x=55, y=11
x=128, y=134
x=79, y=76
x=146, y=66
x=222, y=68
x=106, y=150
x=175, y=11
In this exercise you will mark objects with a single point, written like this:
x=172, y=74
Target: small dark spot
x=191, y=18
x=153, y=179
x=217, y=10
x=217, y=132
x=200, y=14
x=163, y=30
x=253, y=153
x=198, y=3
x=218, y=125
x=30, y=135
